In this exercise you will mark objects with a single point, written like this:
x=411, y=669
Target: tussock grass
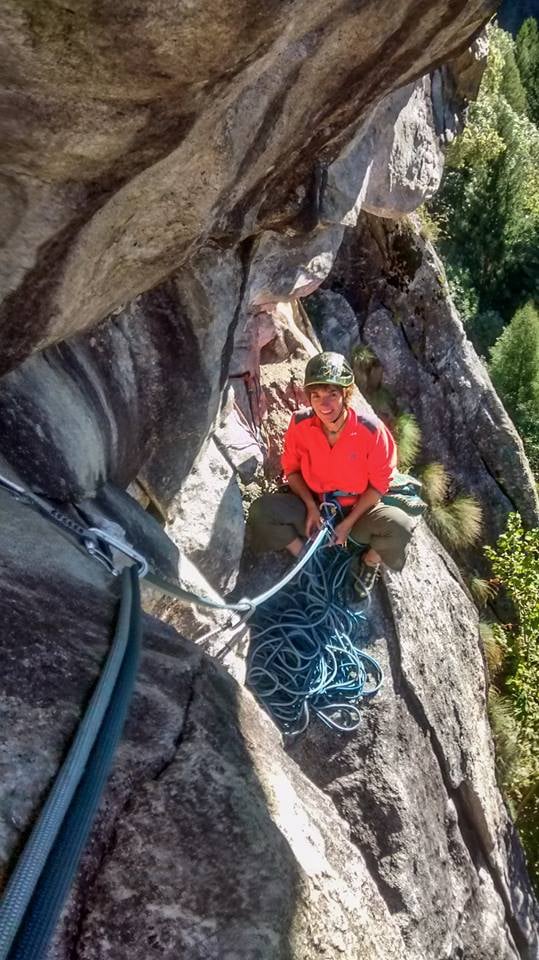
x=495, y=647
x=481, y=590
x=505, y=731
x=407, y=435
x=457, y=524
x=435, y=481
x=429, y=228
x=363, y=356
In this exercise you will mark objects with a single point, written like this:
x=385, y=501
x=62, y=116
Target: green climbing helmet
x=328, y=367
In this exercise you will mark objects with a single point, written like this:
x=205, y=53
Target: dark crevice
x=245, y=250
x=498, y=482
x=423, y=363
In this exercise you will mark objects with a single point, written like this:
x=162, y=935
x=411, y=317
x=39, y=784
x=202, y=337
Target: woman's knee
x=258, y=511
x=275, y=520
x=388, y=531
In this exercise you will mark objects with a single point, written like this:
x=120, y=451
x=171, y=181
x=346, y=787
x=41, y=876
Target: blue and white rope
x=305, y=657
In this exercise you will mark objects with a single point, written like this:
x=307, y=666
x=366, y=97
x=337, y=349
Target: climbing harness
x=404, y=492
x=304, y=659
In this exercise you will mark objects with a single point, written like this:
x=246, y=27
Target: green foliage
x=458, y=524
x=514, y=368
x=408, y=438
x=515, y=560
x=430, y=228
x=363, y=356
x=527, y=59
x=488, y=207
x=511, y=86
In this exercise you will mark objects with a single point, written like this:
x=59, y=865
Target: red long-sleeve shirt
x=364, y=454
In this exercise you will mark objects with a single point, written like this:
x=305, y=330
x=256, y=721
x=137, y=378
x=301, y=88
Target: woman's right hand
x=313, y=521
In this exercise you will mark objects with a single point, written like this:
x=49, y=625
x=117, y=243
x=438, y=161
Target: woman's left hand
x=341, y=533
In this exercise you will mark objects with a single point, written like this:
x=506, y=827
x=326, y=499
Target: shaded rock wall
x=172, y=127
x=141, y=391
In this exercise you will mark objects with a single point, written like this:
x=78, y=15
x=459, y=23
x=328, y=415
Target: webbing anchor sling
x=39, y=884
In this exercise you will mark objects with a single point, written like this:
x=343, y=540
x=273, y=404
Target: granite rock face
x=392, y=164
x=416, y=782
x=207, y=518
x=204, y=123
x=210, y=842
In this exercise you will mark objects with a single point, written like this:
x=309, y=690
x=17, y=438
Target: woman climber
x=330, y=448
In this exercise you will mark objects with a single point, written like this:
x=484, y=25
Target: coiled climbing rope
x=306, y=657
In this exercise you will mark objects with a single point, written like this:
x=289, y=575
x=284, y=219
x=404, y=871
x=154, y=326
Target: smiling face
x=327, y=402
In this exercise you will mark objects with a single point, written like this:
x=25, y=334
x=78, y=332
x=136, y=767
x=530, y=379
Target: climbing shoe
x=364, y=580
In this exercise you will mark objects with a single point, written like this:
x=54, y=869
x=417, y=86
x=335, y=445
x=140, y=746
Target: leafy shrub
x=514, y=368
x=515, y=560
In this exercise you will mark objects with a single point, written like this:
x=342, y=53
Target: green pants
x=276, y=519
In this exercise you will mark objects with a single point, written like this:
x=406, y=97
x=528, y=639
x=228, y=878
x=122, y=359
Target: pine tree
x=512, y=86
x=514, y=368
x=527, y=59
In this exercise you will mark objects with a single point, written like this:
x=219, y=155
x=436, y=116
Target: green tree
x=527, y=59
x=514, y=363
x=511, y=85
x=514, y=368
x=488, y=207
